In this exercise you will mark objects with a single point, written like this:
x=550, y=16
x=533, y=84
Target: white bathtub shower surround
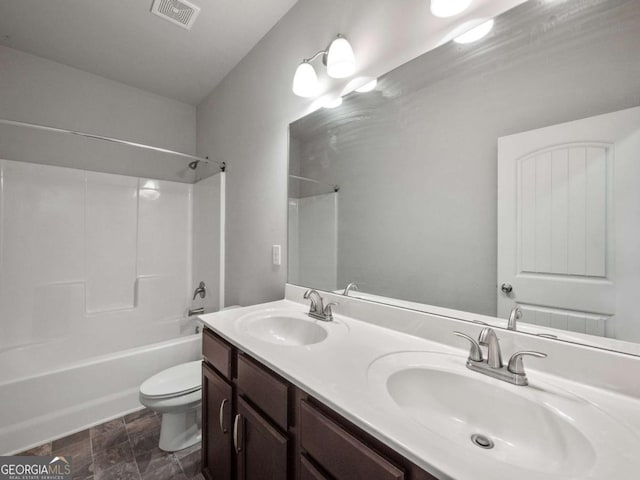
x=60, y=401
x=95, y=282
x=90, y=262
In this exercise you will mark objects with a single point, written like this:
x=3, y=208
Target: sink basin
x=522, y=431
x=283, y=328
x=541, y=429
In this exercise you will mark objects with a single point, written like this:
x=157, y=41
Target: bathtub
x=41, y=400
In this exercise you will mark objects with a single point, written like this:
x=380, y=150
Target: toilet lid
x=183, y=378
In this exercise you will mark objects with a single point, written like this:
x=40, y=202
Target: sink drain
x=481, y=441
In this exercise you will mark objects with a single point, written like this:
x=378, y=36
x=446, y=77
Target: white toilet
x=176, y=394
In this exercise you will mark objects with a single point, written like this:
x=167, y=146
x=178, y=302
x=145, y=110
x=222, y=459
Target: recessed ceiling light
x=448, y=8
x=475, y=33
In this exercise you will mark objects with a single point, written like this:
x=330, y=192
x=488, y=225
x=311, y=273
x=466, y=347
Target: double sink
x=542, y=428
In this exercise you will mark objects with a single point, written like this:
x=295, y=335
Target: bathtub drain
x=482, y=441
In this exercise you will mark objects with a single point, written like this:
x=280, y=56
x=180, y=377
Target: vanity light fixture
x=475, y=33
x=339, y=59
x=448, y=8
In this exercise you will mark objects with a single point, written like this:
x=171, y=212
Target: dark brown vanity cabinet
x=217, y=397
x=244, y=422
x=257, y=426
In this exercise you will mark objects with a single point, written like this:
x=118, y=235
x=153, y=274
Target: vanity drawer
x=341, y=454
x=217, y=352
x=267, y=391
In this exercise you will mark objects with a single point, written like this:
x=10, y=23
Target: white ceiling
x=123, y=41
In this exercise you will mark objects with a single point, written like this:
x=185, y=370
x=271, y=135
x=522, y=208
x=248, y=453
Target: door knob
x=506, y=288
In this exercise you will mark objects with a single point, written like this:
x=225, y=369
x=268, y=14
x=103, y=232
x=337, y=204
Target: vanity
x=384, y=392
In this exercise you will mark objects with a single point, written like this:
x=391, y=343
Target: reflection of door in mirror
x=568, y=223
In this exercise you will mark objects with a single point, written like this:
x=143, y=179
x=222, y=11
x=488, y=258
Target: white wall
x=36, y=90
x=245, y=119
x=92, y=262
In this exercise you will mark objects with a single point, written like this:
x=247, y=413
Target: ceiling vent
x=179, y=12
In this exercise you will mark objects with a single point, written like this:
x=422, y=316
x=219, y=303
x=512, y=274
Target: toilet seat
x=173, y=382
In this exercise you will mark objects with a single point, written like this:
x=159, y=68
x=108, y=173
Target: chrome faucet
x=514, y=316
x=489, y=339
x=317, y=309
x=351, y=286
x=513, y=373
x=201, y=290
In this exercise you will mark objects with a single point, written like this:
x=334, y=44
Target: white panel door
x=569, y=224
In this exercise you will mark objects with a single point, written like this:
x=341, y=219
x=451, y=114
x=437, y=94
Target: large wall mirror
x=487, y=176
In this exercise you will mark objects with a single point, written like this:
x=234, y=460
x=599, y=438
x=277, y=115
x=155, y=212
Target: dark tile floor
x=124, y=449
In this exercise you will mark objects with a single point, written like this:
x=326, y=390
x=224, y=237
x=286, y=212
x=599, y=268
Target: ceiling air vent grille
x=179, y=12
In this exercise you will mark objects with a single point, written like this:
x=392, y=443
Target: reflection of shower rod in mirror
x=336, y=188
x=192, y=165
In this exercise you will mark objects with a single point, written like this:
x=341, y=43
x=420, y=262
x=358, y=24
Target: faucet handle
x=516, y=366
x=475, y=354
x=327, y=312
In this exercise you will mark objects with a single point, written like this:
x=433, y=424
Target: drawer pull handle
x=236, y=425
x=222, y=405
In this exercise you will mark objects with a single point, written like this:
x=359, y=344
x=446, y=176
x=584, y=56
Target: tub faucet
x=201, y=290
x=317, y=309
x=515, y=315
x=196, y=311
x=351, y=286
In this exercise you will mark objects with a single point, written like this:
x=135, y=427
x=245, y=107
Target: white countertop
x=337, y=372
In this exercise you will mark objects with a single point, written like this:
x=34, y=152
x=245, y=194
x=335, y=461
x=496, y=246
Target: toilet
x=176, y=394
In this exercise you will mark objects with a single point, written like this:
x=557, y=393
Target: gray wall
x=245, y=119
x=416, y=160
x=36, y=90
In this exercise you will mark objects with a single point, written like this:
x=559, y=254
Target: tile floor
x=124, y=449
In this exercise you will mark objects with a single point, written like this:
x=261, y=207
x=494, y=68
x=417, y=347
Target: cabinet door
x=216, y=425
x=261, y=449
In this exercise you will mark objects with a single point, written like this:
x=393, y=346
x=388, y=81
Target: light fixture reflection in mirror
x=360, y=85
x=367, y=87
x=475, y=33
x=331, y=102
x=448, y=8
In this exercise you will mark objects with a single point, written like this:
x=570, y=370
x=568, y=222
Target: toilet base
x=180, y=430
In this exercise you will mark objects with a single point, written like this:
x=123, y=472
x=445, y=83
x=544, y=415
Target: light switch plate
x=276, y=254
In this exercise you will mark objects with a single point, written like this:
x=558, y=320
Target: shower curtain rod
x=111, y=139
x=305, y=179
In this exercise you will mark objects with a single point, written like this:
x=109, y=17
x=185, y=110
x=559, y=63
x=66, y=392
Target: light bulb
x=475, y=33
x=305, y=81
x=448, y=8
x=341, y=61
